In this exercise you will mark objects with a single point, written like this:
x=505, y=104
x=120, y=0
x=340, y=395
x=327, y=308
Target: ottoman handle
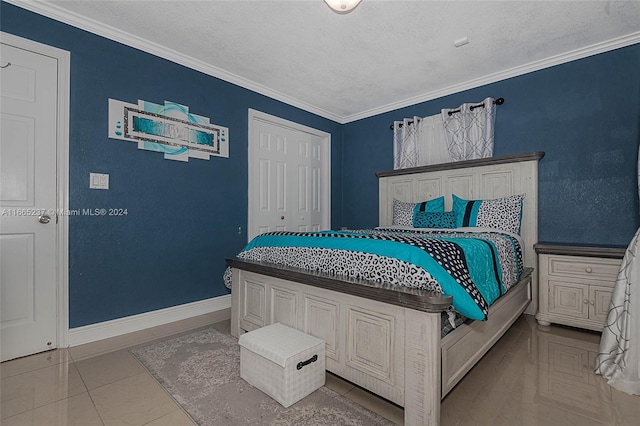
x=307, y=362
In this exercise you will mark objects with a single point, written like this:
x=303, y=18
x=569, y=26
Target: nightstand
x=575, y=284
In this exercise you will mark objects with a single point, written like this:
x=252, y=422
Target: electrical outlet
x=98, y=181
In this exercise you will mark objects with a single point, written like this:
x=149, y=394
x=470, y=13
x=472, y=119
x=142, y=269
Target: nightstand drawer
x=586, y=267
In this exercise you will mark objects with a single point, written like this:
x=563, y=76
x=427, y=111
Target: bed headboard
x=485, y=178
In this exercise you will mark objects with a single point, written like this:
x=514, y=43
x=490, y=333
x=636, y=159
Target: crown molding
x=59, y=14
x=84, y=23
x=551, y=61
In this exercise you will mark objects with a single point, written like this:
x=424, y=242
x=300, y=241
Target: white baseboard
x=104, y=330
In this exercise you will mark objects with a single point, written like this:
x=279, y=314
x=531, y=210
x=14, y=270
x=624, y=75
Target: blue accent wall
x=183, y=218
x=585, y=115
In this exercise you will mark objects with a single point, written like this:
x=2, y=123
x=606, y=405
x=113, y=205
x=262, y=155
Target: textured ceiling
x=383, y=55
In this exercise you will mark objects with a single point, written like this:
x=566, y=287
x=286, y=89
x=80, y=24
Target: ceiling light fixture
x=342, y=6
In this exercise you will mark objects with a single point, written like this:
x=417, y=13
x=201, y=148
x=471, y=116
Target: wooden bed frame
x=384, y=338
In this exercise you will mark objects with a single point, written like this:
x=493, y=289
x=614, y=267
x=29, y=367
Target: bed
x=387, y=338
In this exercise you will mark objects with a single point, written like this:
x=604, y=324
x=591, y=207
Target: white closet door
x=289, y=188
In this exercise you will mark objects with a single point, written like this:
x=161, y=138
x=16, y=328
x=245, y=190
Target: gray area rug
x=201, y=371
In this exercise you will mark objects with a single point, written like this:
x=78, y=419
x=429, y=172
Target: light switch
x=98, y=181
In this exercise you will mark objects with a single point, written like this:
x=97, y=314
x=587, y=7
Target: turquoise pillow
x=434, y=219
x=504, y=214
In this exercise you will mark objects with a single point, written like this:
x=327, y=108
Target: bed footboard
x=391, y=350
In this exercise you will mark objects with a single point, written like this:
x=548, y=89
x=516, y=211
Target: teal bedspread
x=475, y=267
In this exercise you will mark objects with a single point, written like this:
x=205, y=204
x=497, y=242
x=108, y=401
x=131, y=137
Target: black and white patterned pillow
x=403, y=213
x=498, y=213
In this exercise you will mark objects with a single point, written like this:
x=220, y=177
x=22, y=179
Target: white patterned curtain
x=419, y=142
x=469, y=130
x=619, y=356
x=405, y=143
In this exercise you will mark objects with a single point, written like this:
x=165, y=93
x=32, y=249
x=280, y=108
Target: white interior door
x=28, y=172
x=289, y=177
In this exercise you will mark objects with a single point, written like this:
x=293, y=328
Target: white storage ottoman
x=282, y=362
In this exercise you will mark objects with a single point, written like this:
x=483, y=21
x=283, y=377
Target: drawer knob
x=589, y=270
x=586, y=301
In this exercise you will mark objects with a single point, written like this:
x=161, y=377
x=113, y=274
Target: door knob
x=281, y=217
x=44, y=218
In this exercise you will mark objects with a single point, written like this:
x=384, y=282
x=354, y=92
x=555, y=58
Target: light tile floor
x=533, y=376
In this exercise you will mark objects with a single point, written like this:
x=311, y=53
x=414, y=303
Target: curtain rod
x=498, y=101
